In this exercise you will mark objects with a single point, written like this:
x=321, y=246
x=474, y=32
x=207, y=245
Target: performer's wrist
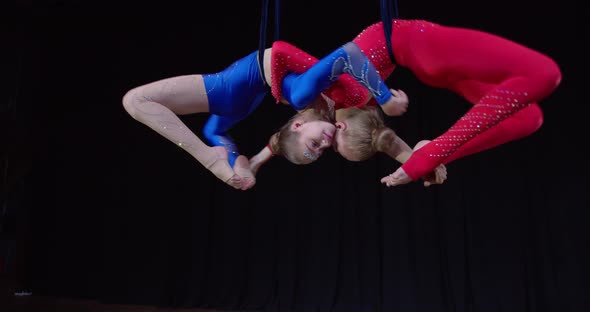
x=270, y=150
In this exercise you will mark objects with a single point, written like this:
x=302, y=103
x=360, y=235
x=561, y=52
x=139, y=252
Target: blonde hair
x=366, y=132
x=284, y=142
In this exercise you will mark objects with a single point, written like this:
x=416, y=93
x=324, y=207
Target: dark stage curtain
x=118, y=214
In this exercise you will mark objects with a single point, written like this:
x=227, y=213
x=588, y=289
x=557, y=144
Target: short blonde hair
x=366, y=132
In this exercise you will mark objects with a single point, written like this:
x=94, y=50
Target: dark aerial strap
x=263, y=27
x=389, y=11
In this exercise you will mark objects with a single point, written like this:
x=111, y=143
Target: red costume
x=503, y=79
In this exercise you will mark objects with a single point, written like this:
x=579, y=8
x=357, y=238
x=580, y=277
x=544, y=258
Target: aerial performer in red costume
x=504, y=81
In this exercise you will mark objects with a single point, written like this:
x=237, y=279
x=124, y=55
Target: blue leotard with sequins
x=233, y=94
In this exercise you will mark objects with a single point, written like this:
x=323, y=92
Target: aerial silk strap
x=263, y=27
x=389, y=11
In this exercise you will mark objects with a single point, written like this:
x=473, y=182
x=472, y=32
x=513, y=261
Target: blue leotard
x=233, y=94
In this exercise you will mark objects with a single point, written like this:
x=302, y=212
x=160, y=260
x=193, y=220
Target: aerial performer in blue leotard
x=234, y=93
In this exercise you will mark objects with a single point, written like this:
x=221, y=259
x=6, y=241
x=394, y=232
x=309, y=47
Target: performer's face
x=314, y=138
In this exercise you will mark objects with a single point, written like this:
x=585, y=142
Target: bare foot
x=242, y=168
x=219, y=166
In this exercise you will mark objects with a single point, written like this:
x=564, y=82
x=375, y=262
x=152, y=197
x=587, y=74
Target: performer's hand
x=242, y=168
x=399, y=177
x=438, y=176
x=397, y=105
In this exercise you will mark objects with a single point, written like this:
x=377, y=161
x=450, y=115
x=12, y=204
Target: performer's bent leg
x=501, y=103
x=522, y=124
x=157, y=104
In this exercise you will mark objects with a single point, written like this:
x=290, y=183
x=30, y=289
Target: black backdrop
x=116, y=213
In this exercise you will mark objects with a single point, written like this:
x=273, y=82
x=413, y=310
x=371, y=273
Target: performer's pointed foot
x=219, y=166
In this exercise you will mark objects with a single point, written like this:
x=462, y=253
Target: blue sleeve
x=298, y=93
x=301, y=89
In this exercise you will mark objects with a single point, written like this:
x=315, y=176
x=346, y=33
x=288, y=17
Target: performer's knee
x=550, y=74
x=128, y=101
